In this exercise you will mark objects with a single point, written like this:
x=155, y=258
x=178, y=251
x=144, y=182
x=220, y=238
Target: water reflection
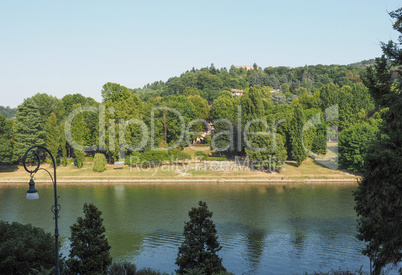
x=262, y=229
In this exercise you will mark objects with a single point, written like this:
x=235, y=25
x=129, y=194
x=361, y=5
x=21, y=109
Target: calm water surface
x=262, y=229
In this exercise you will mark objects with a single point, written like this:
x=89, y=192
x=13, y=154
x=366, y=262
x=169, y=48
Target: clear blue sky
x=63, y=47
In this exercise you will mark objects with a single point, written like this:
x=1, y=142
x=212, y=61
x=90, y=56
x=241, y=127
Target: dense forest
x=276, y=113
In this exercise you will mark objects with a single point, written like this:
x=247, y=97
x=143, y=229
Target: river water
x=263, y=229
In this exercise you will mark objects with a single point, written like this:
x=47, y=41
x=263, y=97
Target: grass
x=309, y=170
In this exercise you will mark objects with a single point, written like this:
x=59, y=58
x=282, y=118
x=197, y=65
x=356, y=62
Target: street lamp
x=32, y=194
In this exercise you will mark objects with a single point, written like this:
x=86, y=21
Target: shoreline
x=351, y=181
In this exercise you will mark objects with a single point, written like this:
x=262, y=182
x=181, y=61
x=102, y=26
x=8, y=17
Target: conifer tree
x=90, y=250
x=78, y=131
x=99, y=162
x=52, y=135
x=29, y=129
x=200, y=246
x=296, y=131
x=379, y=195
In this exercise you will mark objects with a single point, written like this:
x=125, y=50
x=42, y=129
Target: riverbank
x=206, y=172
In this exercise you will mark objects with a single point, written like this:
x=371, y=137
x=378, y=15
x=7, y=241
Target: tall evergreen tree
x=52, y=135
x=90, y=250
x=200, y=246
x=29, y=128
x=296, y=131
x=6, y=143
x=63, y=145
x=379, y=195
x=79, y=132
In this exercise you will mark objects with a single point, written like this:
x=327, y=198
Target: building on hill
x=247, y=67
x=237, y=92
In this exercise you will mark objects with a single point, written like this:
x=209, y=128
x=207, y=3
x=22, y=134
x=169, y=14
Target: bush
x=174, y=152
x=217, y=158
x=118, y=269
x=183, y=155
x=24, y=248
x=79, y=158
x=155, y=157
x=201, y=155
x=99, y=162
x=133, y=159
x=149, y=271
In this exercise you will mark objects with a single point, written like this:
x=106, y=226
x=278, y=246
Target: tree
x=90, y=250
x=6, y=143
x=268, y=150
x=79, y=132
x=52, y=135
x=200, y=246
x=379, y=195
x=24, y=247
x=354, y=143
x=29, y=129
x=99, y=162
x=296, y=131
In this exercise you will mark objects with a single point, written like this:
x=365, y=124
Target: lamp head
x=32, y=193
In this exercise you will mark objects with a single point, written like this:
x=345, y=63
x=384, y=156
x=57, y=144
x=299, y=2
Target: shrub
x=155, y=157
x=24, y=247
x=99, y=162
x=133, y=159
x=118, y=269
x=201, y=155
x=149, y=271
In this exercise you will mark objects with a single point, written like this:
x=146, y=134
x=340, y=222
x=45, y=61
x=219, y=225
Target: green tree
x=296, y=130
x=114, y=92
x=52, y=135
x=268, y=150
x=379, y=194
x=6, y=140
x=24, y=247
x=99, y=162
x=63, y=145
x=200, y=247
x=90, y=250
x=354, y=143
x=8, y=112
x=28, y=128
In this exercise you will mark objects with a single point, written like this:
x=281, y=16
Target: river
x=263, y=229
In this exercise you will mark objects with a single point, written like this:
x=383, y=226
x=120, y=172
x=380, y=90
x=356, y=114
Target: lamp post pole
x=56, y=207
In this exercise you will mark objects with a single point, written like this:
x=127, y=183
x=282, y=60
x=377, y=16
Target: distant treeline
x=8, y=112
x=277, y=101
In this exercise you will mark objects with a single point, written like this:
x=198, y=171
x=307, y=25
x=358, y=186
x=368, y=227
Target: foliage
x=120, y=268
x=200, y=246
x=296, y=131
x=43, y=271
x=149, y=271
x=379, y=194
x=354, y=143
x=53, y=135
x=200, y=155
x=155, y=157
x=24, y=247
x=6, y=140
x=99, y=162
x=29, y=128
x=267, y=150
x=90, y=250
x=8, y=112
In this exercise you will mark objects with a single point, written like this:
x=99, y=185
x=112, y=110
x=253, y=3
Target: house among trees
x=237, y=92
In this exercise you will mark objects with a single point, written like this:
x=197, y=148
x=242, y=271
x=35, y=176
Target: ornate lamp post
x=32, y=194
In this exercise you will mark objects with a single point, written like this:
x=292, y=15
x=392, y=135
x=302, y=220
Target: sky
x=67, y=47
